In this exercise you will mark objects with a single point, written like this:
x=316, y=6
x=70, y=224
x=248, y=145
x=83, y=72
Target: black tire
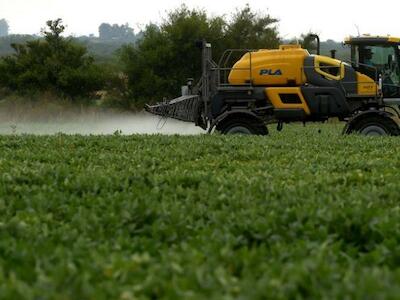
x=245, y=126
x=374, y=126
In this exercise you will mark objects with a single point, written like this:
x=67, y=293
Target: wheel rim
x=238, y=130
x=373, y=130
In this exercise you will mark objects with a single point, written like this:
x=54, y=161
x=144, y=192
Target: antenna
x=358, y=29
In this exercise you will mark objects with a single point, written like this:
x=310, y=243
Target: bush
x=53, y=64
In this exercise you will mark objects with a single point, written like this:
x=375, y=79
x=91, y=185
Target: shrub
x=54, y=64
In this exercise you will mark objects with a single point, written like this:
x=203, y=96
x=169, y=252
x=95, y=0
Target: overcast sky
x=333, y=19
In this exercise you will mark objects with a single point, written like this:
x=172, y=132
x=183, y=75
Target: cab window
x=331, y=69
x=377, y=56
x=376, y=60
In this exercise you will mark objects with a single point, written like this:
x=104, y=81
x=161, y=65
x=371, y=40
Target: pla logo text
x=271, y=72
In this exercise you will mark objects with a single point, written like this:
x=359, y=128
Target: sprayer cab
x=378, y=57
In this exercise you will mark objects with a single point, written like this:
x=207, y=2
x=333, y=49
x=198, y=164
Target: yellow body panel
x=286, y=47
x=394, y=39
x=390, y=39
x=273, y=96
x=365, y=85
x=279, y=67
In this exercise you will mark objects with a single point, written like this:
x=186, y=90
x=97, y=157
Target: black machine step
x=290, y=114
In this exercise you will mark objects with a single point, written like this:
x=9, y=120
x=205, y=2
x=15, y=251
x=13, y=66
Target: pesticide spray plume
x=39, y=118
x=106, y=124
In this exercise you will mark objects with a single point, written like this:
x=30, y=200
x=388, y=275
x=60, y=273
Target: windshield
x=384, y=59
x=378, y=56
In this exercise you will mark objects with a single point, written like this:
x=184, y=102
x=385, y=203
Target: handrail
x=224, y=69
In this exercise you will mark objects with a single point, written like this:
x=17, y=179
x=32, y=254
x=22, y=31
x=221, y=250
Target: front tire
x=244, y=126
x=374, y=126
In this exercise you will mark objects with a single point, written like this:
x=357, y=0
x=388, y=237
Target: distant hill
x=342, y=51
x=103, y=49
x=7, y=41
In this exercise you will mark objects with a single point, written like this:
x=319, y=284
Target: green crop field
x=296, y=215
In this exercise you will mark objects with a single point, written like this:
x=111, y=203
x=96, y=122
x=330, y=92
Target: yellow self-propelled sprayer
x=249, y=89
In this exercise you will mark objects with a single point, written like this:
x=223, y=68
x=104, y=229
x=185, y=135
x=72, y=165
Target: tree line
x=144, y=70
x=106, y=31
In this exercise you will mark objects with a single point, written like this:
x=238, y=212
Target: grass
x=297, y=215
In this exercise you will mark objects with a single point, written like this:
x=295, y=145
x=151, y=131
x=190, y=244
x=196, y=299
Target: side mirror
x=315, y=37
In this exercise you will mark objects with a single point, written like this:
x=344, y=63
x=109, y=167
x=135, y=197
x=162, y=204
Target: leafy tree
x=53, y=64
x=3, y=28
x=252, y=30
x=116, y=32
x=105, y=31
x=167, y=55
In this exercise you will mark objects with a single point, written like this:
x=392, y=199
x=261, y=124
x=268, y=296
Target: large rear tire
x=374, y=125
x=244, y=126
